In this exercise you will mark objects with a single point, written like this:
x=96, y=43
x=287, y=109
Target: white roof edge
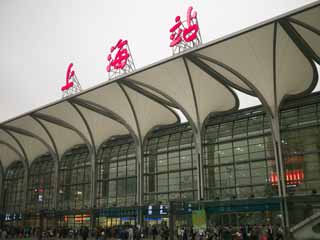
x=162, y=61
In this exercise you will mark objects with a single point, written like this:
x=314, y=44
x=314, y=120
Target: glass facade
x=238, y=156
x=170, y=165
x=41, y=184
x=238, y=163
x=13, y=188
x=300, y=133
x=116, y=173
x=75, y=179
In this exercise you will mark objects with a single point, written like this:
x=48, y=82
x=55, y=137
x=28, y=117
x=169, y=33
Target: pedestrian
x=84, y=232
x=4, y=234
x=164, y=232
x=130, y=233
x=184, y=234
x=279, y=233
x=154, y=232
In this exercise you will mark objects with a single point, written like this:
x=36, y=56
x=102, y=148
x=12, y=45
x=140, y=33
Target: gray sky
x=40, y=37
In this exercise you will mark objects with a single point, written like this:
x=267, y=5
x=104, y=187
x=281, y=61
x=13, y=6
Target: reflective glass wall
x=238, y=161
x=13, y=191
x=300, y=133
x=116, y=173
x=238, y=156
x=41, y=183
x=74, y=179
x=170, y=165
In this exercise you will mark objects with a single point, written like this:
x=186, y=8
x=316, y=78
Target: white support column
x=93, y=188
x=1, y=189
x=140, y=185
x=276, y=139
x=198, y=147
x=25, y=187
x=56, y=184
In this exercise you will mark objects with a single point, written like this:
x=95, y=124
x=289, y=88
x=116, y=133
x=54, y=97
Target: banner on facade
x=199, y=219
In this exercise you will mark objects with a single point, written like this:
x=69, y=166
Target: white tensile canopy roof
x=272, y=61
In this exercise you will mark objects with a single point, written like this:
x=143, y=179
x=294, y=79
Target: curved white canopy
x=272, y=61
x=186, y=87
x=10, y=149
x=306, y=25
x=32, y=137
x=65, y=125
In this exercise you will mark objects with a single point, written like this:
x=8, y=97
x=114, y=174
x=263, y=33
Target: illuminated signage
x=40, y=198
x=189, y=207
x=163, y=210
x=81, y=218
x=292, y=177
x=69, y=76
x=78, y=218
x=149, y=210
x=14, y=216
x=185, y=34
x=7, y=217
x=72, y=85
x=157, y=210
x=119, y=59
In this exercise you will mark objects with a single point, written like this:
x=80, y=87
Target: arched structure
x=116, y=178
x=13, y=190
x=75, y=179
x=41, y=184
x=273, y=61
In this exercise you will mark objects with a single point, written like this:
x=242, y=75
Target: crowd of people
x=154, y=232
x=245, y=232
x=130, y=232
x=124, y=232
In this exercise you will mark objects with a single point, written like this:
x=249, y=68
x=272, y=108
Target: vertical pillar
x=93, y=188
x=2, y=210
x=25, y=187
x=276, y=139
x=23, y=206
x=55, y=189
x=56, y=183
x=1, y=188
x=172, y=222
x=93, y=185
x=198, y=147
x=92, y=222
x=140, y=185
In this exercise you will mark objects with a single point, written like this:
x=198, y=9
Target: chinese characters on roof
x=120, y=60
x=72, y=85
x=185, y=34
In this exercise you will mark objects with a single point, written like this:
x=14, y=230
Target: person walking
x=154, y=232
x=4, y=234
x=130, y=233
x=84, y=232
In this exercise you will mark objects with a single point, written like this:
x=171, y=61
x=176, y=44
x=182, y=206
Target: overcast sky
x=38, y=39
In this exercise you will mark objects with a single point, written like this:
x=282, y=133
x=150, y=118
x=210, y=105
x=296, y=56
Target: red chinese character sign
x=185, y=34
x=120, y=59
x=72, y=85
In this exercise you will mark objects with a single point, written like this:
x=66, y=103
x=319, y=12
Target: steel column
x=276, y=139
x=93, y=180
x=200, y=180
x=140, y=185
x=56, y=185
x=25, y=188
